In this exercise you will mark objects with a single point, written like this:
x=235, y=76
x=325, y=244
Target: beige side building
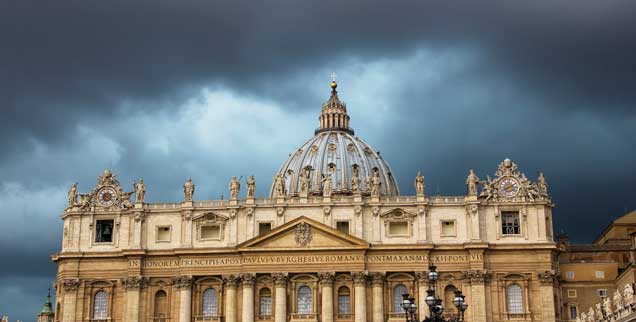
x=334, y=241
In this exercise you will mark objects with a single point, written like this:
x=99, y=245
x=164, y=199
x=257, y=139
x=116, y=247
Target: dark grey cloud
x=165, y=90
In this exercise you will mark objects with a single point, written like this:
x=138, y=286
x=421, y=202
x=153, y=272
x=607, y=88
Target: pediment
x=303, y=233
x=397, y=213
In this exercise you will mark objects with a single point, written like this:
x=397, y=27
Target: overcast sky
x=166, y=90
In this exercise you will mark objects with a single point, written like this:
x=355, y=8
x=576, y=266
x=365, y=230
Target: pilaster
x=247, y=280
x=70, y=287
x=280, y=287
x=377, y=286
x=360, y=292
x=231, y=283
x=326, y=283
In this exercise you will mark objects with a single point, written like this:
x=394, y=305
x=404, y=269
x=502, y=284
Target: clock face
x=508, y=187
x=107, y=196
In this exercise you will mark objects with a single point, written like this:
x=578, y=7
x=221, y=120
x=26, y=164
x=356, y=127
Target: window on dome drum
x=210, y=232
x=573, y=312
x=448, y=228
x=510, y=223
x=100, y=306
x=569, y=275
x=265, y=303
x=304, y=302
x=104, y=231
x=343, y=226
x=163, y=234
x=399, y=229
x=514, y=299
x=572, y=293
x=264, y=228
x=210, y=303
x=600, y=274
x=344, y=301
x=398, y=290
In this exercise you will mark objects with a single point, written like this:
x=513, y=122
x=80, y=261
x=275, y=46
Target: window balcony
x=345, y=317
x=211, y=318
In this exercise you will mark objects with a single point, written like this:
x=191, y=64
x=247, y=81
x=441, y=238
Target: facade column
x=280, y=290
x=547, y=280
x=326, y=282
x=478, y=280
x=422, y=286
x=138, y=217
x=248, y=297
x=377, y=283
x=230, y=298
x=70, y=287
x=132, y=285
x=360, y=292
x=184, y=285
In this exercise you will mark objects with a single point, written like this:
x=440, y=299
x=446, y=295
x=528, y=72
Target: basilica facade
x=334, y=241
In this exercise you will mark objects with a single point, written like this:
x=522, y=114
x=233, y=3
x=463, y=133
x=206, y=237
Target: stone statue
x=279, y=188
x=583, y=317
x=140, y=191
x=607, y=305
x=375, y=184
x=235, y=187
x=355, y=185
x=419, y=185
x=326, y=186
x=188, y=190
x=72, y=195
x=528, y=187
x=590, y=314
x=471, y=182
x=628, y=295
x=304, y=183
x=542, y=185
x=489, y=190
x=599, y=312
x=618, y=301
x=251, y=185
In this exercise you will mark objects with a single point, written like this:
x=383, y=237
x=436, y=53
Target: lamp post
x=435, y=306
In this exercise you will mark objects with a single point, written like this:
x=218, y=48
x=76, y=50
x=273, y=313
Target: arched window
x=161, y=306
x=514, y=299
x=304, y=300
x=344, y=300
x=100, y=306
x=265, y=302
x=398, y=290
x=210, y=302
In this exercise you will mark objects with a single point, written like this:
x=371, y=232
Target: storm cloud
x=166, y=90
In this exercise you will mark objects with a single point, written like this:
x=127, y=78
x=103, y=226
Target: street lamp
x=435, y=306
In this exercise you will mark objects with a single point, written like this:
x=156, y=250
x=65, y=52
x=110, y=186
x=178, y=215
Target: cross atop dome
x=334, y=112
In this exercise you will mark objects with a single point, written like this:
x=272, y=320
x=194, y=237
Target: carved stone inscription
x=304, y=259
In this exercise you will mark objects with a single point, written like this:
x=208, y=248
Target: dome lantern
x=334, y=113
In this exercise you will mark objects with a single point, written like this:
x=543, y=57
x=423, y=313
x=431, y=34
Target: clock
x=107, y=196
x=508, y=187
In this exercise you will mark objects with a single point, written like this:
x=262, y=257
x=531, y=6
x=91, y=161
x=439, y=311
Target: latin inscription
x=304, y=259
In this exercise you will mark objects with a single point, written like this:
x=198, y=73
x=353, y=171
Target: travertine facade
x=334, y=242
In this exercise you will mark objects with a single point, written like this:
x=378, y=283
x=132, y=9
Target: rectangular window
x=448, y=228
x=264, y=228
x=510, y=223
x=104, y=231
x=601, y=293
x=343, y=226
x=569, y=275
x=572, y=293
x=600, y=274
x=163, y=234
x=211, y=232
x=399, y=228
x=573, y=312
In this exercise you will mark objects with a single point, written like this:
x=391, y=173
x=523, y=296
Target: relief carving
x=303, y=234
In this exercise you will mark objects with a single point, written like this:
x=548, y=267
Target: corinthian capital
x=71, y=284
x=280, y=279
x=247, y=279
x=231, y=281
x=377, y=278
x=183, y=281
x=547, y=277
x=134, y=282
x=359, y=278
x=326, y=278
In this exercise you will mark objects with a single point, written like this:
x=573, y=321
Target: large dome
x=335, y=151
